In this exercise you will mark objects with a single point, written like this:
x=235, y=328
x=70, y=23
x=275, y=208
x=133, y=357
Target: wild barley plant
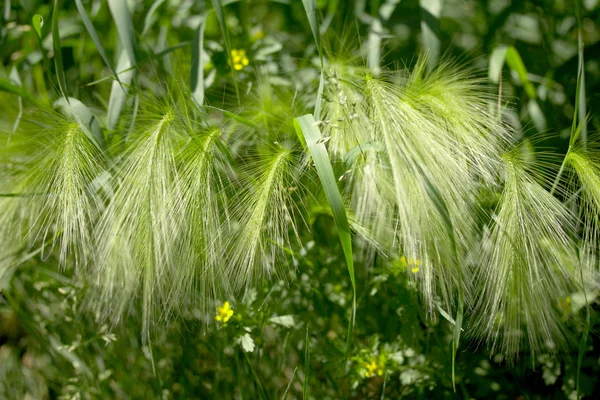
x=191, y=208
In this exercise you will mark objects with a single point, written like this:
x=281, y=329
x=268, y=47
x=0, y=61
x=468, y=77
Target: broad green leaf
x=92, y=31
x=218, y=7
x=119, y=90
x=197, y=72
x=307, y=128
x=122, y=16
x=58, y=63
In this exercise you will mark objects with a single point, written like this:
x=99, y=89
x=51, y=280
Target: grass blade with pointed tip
x=58, y=63
x=307, y=129
x=218, y=7
x=197, y=72
x=122, y=16
x=92, y=31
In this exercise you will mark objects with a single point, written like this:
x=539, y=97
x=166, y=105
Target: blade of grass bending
x=58, y=63
x=430, y=29
x=122, y=17
x=236, y=117
x=119, y=90
x=218, y=7
x=75, y=109
x=151, y=16
x=197, y=72
x=92, y=31
x=310, y=6
x=306, y=365
x=311, y=136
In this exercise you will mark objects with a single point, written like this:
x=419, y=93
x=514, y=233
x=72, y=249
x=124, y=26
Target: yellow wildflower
x=224, y=312
x=239, y=59
x=374, y=368
x=413, y=264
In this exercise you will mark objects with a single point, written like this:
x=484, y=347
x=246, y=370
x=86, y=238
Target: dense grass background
x=287, y=336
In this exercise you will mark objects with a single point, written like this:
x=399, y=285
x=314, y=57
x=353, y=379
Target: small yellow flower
x=413, y=264
x=239, y=59
x=224, y=312
x=374, y=368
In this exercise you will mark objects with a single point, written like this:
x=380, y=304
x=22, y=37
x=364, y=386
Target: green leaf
x=307, y=128
x=218, y=7
x=38, y=22
x=122, y=16
x=119, y=90
x=197, y=72
x=58, y=63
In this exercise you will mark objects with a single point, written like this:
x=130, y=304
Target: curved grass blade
x=92, y=31
x=197, y=72
x=85, y=118
x=122, y=16
x=119, y=90
x=38, y=22
x=218, y=7
x=308, y=130
x=58, y=62
x=151, y=16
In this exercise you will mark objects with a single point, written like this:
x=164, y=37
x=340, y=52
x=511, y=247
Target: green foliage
x=174, y=223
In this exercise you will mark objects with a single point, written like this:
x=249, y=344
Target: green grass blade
x=75, y=109
x=287, y=389
x=310, y=6
x=122, y=16
x=58, y=62
x=218, y=7
x=510, y=56
x=306, y=365
x=92, y=31
x=197, y=72
x=150, y=17
x=306, y=128
x=119, y=90
x=581, y=98
x=236, y=117
x=430, y=29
